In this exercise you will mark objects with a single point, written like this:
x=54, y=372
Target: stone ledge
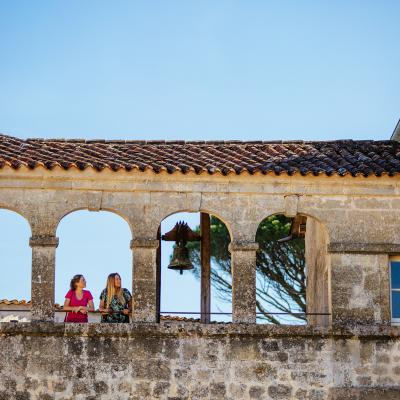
x=43, y=241
x=372, y=248
x=190, y=329
x=365, y=393
x=243, y=246
x=146, y=243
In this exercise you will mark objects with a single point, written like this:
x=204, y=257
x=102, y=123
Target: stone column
x=243, y=260
x=318, y=269
x=144, y=280
x=43, y=276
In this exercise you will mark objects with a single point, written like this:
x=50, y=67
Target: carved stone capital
x=43, y=241
x=144, y=242
x=243, y=246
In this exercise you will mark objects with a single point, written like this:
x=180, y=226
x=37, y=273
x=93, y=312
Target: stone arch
x=314, y=264
x=19, y=213
x=197, y=284
x=194, y=211
x=16, y=256
x=282, y=212
x=115, y=211
x=95, y=261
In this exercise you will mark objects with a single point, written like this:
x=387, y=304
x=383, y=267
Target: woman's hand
x=83, y=310
x=125, y=311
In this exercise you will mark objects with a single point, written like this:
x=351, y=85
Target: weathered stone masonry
x=352, y=230
x=193, y=361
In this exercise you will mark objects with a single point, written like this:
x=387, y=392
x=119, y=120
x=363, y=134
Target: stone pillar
x=144, y=280
x=43, y=276
x=360, y=283
x=243, y=260
x=318, y=274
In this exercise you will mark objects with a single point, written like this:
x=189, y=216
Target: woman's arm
x=90, y=305
x=67, y=307
x=101, y=307
x=128, y=307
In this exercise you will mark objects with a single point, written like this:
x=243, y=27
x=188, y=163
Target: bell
x=180, y=258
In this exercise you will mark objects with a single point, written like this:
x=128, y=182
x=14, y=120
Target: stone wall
x=359, y=215
x=360, y=288
x=192, y=361
x=356, y=358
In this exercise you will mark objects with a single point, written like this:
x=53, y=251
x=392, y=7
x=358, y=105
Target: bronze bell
x=180, y=258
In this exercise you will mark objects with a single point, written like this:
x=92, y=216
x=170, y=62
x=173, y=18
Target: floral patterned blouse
x=115, y=305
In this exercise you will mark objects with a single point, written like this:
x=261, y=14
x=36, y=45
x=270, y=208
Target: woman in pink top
x=78, y=301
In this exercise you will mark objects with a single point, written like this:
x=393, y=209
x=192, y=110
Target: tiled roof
x=340, y=157
x=15, y=302
x=168, y=318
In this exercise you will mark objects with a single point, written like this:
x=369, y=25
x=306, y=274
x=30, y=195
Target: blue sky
x=199, y=69
x=250, y=70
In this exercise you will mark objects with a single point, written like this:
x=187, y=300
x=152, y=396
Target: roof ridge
x=193, y=142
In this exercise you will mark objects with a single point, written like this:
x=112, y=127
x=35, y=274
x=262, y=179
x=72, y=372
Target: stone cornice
x=144, y=243
x=123, y=181
x=179, y=329
x=368, y=248
x=243, y=246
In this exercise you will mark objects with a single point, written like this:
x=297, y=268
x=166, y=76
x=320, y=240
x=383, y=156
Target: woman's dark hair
x=74, y=281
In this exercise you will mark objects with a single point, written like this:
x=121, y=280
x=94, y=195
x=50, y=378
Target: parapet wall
x=193, y=361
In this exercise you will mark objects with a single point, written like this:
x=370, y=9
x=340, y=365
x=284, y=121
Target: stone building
x=347, y=190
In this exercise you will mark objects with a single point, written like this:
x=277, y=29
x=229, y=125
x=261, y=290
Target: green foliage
x=280, y=267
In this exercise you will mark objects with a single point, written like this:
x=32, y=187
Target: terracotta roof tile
x=341, y=157
x=15, y=302
x=168, y=318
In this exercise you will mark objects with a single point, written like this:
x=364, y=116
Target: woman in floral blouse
x=115, y=301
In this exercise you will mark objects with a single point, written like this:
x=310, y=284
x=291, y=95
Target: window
x=395, y=289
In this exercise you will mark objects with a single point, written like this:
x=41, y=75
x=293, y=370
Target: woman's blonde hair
x=112, y=291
